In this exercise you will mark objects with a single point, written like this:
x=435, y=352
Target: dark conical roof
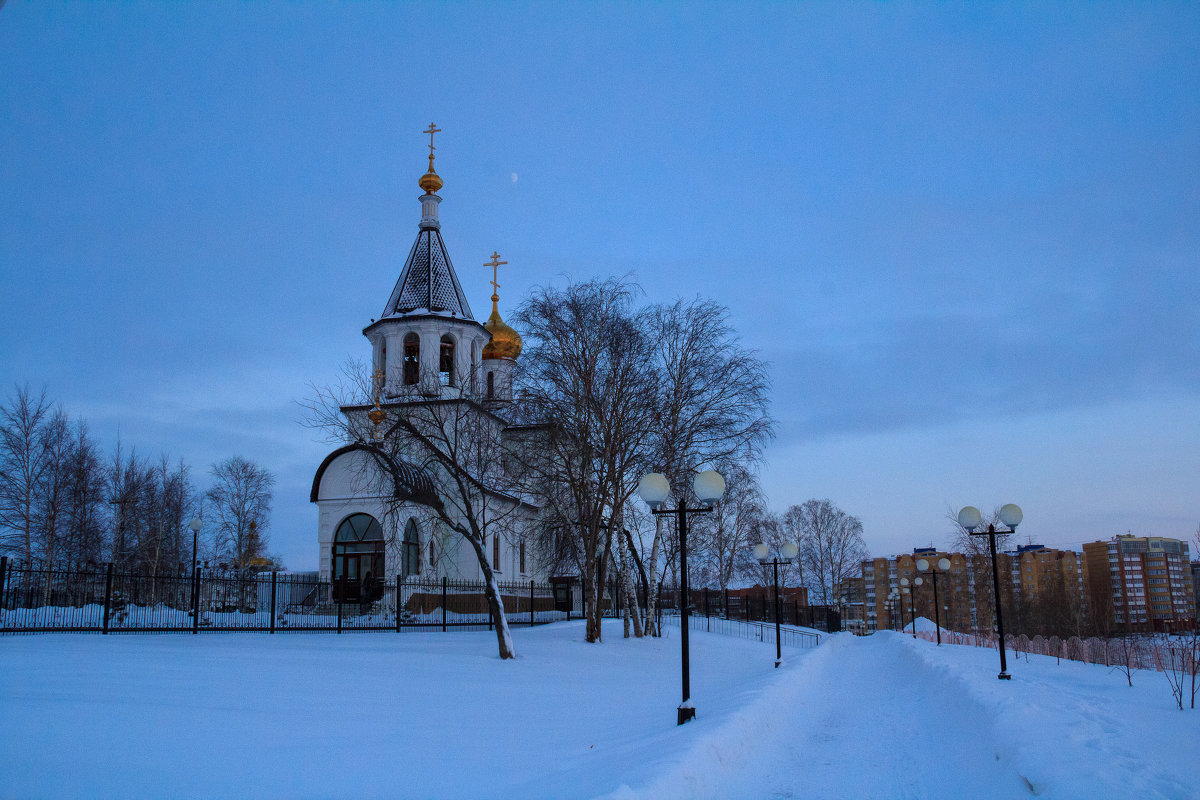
x=427, y=282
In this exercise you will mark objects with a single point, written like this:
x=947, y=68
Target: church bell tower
x=426, y=343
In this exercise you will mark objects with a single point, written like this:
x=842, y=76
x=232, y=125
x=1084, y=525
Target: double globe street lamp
x=897, y=607
x=1011, y=516
x=788, y=552
x=654, y=488
x=926, y=568
x=912, y=599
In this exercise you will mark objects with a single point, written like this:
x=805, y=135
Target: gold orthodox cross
x=431, y=130
x=495, y=263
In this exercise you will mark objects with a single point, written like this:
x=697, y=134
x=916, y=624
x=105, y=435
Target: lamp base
x=686, y=714
x=1004, y=676
x=778, y=661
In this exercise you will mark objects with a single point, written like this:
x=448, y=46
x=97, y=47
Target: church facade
x=428, y=452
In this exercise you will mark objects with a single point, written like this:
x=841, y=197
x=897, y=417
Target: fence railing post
x=445, y=594
x=397, y=602
x=196, y=600
x=108, y=578
x=531, y=603
x=274, y=577
x=3, y=583
x=341, y=597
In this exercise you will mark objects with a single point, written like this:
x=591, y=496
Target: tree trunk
x=495, y=606
x=652, y=581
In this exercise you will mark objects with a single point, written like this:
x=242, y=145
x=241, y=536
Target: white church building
x=376, y=494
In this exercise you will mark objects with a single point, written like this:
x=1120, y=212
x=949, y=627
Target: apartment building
x=1049, y=589
x=1196, y=586
x=1041, y=588
x=1141, y=583
x=955, y=590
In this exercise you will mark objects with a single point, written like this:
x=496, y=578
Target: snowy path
x=887, y=716
x=850, y=721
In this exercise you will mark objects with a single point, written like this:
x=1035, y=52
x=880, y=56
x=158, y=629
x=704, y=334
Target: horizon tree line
x=64, y=503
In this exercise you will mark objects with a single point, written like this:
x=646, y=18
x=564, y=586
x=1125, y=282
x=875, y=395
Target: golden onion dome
x=430, y=181
x=506, y=342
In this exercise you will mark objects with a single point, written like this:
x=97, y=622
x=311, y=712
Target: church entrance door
x=357, y=557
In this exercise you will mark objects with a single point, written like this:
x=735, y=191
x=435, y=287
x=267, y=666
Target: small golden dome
x=505, y=343
x=430, y=181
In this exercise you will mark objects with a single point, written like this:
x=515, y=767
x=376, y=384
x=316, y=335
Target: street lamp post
x=709, y=487
x=927, y=568
x=195, y=525
x=898, y=606
x=912, y=599
x=970, y=518
x=789, y=551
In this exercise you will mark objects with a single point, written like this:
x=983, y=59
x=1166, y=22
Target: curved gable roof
x=411, y=482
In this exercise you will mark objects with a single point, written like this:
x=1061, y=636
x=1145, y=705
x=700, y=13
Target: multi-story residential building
x=956, y=590
x=850, y=595
x=1048, y=590
x=1041, y=590
x=1140, y=583
x=1196, y=586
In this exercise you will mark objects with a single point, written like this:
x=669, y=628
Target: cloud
x=514, y=177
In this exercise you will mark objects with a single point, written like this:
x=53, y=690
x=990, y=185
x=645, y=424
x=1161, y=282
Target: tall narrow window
x=522, y=556
x=411, y=560
x=491, y=389
x=446, y=361
x=496, y=553
x=382, y=363
x=412, y=358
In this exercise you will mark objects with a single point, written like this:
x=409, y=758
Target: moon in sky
x=514, y=177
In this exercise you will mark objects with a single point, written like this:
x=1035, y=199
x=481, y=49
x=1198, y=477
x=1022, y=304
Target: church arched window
x=412, y=358
x=382, y=367
x=496, y=553
x=446, y=361
x=491, y=387
x=411, y=558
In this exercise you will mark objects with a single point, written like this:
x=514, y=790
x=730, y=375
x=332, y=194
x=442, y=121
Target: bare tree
x=455, y=441
x=585, y=374
x=239, y=502
x=24, y=460
x=725, y=538
x=831, y=545
x=711, y=403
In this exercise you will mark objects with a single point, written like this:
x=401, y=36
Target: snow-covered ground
x=438, y=715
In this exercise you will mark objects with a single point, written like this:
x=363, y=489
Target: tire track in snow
x=855, y=718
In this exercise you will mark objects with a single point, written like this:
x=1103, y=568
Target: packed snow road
x=887, y=716
x=855, y=718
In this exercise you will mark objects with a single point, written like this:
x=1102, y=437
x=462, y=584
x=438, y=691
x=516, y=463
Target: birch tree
x=239, y=505
x=455, y=441
x=24, y=460
x=831, y=545
x=586, y=374
x=711, y=403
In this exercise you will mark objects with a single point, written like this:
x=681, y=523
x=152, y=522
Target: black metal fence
x=753, y=607
x=755, y=631
x=102, y=600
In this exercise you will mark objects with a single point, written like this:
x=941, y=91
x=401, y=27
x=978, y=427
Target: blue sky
x=966, y=237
